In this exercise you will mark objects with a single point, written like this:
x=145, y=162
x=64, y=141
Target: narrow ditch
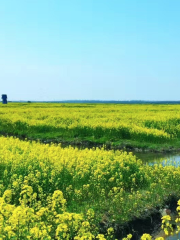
x=149, y=223
x=89, y=144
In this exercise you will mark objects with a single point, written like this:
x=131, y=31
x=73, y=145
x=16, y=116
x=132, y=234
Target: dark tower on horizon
x=4, y=98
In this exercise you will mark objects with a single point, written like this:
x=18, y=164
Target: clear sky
x=90, y=49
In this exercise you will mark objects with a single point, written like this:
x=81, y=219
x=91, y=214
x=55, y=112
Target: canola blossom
x=50, y=192
x=96, y=122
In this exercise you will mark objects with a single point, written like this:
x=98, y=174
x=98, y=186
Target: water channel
x=164, y=159
x=156, y=158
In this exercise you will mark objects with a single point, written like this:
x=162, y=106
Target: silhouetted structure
x=4, y=98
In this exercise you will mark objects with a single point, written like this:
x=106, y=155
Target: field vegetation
x=49, y=192
x=153, y=126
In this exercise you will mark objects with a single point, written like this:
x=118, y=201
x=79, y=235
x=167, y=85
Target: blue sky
x=90, y=49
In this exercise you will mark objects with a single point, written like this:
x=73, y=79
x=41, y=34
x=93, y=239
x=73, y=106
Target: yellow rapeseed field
x=95, y=122
x=49, y=192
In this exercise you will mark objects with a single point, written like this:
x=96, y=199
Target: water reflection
x=162, y=234
x=166, y=159
x=174, y=236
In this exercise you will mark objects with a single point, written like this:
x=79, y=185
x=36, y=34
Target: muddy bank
x=150, y=222
x=81, y=144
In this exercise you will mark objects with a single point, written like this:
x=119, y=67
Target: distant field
x=103, y=123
